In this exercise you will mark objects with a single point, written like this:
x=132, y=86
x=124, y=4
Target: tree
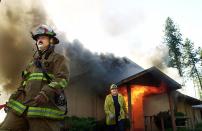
x=190, y=59
x=200, y=53
x=173, y=39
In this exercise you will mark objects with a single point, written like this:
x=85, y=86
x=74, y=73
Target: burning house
x=90, y=77
x=90, y=80
x=148, y=93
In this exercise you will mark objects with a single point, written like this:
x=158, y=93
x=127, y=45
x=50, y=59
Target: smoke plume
x=17, y=20
x=157, y=57
x=97, y=71
x=90, y=68
x=15, y=50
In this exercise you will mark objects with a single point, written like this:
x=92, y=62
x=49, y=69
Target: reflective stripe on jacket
x=110, y=109
x=40, y=76
x=19, y=108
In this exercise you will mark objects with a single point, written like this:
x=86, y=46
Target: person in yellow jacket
x=39, y=104
x=115, y=109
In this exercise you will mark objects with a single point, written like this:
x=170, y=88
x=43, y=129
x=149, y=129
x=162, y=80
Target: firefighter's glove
x=111, y=116
x=41, y=98
x=16, y=94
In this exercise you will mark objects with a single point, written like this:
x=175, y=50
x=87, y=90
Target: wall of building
x=152, y=106
x=84, y=102
x=186, y=108
x=197, y=115
x=194, y=115
x=181, y=107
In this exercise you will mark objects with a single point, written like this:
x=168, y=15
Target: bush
x=87, y=124
x=169, y=129
x=100, y=125
x=166, y=118
x=180, y=121
x=182, y=129
x=80, y=124
x=198, y=127
x=178, y=129
x=179, y=114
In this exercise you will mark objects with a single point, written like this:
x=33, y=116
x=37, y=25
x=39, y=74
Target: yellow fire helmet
x=113, y=86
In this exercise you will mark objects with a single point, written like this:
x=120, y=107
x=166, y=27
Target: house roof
x=188, y=99
x=197, y=106
x=150, y=77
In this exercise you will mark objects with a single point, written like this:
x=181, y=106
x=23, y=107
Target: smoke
x=97, y=71
x=17, y=20
x=94, y=70
x=15, y=49
x=159, y=59
x=120, y=22
x=159, y=56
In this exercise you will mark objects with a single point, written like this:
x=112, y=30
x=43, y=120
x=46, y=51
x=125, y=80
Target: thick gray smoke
x=17, y=20
x=159, y=56
x=97, y=71
x=91, y=69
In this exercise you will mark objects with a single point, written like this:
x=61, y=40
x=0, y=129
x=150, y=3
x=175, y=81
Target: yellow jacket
x=110, y=109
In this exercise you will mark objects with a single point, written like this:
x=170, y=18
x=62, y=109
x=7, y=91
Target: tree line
x=182, y=54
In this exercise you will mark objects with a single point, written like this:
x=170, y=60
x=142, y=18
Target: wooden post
x=150, y=121
x=130, y=107
x=162, y=124
x=172, y=111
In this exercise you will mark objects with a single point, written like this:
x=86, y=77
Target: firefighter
x=39, y=104
x=115, y=110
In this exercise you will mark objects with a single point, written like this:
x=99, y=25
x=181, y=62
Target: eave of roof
x=151, y=76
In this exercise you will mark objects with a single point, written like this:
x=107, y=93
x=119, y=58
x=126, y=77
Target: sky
x=123, y=26
x=131, y=28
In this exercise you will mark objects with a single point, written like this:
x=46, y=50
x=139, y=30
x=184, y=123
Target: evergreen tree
x=190, y=59
x=200, y=54
x=173, y=39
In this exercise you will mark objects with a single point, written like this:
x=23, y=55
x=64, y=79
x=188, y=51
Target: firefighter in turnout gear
x=39, y=103
x=115, y=110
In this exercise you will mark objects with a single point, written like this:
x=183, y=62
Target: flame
x=138, y=92
x=123, y=91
